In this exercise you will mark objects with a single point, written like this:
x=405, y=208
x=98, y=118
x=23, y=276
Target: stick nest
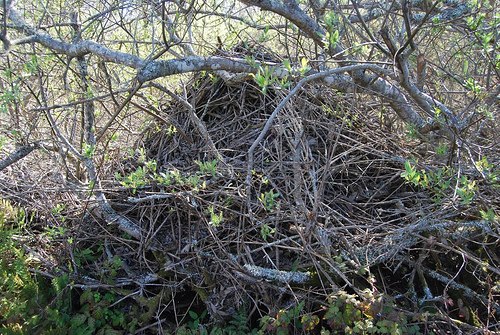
x=323, y=208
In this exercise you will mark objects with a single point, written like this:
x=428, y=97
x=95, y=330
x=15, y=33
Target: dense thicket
x=291, y=166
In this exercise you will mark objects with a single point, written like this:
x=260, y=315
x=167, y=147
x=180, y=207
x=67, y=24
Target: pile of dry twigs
x=244, y=202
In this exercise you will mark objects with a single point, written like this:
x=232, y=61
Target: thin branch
x=132, y=92
x=194, y=118
x=321, y=75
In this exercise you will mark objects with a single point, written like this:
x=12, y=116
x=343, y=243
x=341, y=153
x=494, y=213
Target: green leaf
x=86, y=296
x=287, y=65
x=303, y=63
x=78, y=320
x=193, y=315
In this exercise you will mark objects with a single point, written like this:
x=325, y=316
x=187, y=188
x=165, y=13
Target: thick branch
x=157, y=69
x=377, y=9
x=20, y=153
x=74, y=49
x=376, y=85
x=148, y=70
x=151, y=69
x=396, y=99
x=291, y=11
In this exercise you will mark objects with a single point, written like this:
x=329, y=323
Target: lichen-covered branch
x=372, y=83
x=77, y=49
x=17, y=155
x=150, y=69
x=108, y=213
